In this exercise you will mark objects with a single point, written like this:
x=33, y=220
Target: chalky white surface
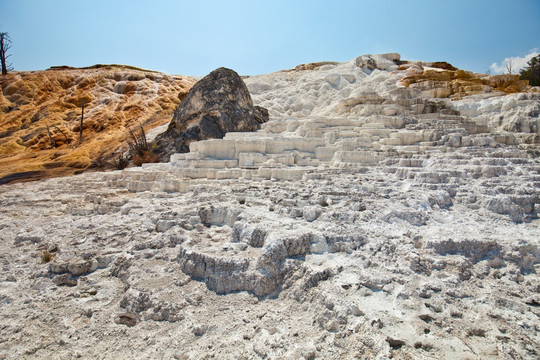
x=353, y=225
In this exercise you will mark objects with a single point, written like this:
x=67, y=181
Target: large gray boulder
x=217, y=104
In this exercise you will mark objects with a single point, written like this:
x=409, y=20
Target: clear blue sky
x=255, y=37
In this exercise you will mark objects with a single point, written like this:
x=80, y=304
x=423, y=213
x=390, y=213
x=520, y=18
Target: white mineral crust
x=354, y=224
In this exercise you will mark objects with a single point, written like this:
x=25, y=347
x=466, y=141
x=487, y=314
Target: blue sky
x=255, y=37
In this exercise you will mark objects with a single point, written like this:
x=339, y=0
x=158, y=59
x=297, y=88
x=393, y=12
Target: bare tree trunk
x=51, y=140
x=82, y=118
x=509, y=67
x=3, y=54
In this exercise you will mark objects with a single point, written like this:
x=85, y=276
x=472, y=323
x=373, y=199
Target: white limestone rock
x=362, y=221
x=381, y=61
x=311, y=213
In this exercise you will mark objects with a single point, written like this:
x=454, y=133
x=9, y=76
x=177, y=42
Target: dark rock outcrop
x=217, y=104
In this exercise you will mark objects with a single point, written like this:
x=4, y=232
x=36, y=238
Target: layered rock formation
x=457, y=84
x=218, y=104
x=40, y=115
x=364, y=220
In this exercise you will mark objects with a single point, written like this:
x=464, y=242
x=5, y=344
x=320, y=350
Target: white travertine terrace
x=364, y=220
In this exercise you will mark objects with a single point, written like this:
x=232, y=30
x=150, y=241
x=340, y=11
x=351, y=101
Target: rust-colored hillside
x=442, y=80
x=40, y=116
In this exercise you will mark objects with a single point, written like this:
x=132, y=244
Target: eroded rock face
x=217, y=104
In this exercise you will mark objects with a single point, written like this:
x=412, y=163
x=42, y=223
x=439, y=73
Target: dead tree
x=82, y=118
x=5, y=45
x=509, y=66
x=61, y=132
x=138, y=144
x=51, y=140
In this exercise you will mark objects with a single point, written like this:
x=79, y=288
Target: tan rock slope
x=442, y=80
x=40, y=114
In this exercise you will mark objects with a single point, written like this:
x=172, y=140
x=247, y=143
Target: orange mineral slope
x=442, y=80
x=40, y=116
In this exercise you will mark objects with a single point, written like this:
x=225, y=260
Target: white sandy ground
x=419, y=252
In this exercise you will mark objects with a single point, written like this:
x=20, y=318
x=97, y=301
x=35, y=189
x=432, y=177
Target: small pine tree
x=531, y=72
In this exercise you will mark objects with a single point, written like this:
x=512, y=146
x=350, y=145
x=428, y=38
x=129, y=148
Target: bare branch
x=509, y=66
x=51, y=140
x=67, y=140
x=5, y=45
x=138, y=144
x=81, y=129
